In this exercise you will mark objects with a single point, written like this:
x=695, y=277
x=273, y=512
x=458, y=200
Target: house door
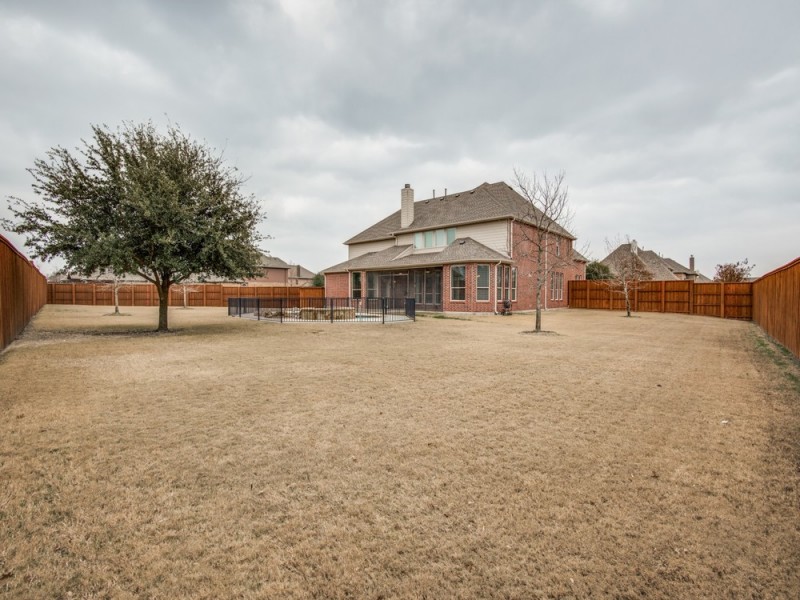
x=428, y=289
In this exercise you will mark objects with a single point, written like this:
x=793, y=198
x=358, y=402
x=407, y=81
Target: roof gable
x=487, y=202
x=460, y=250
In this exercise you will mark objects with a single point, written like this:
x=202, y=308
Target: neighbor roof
x=273, y=262
x=658, y=266
x=300, y=272
x=461, y=250
x=487, y=202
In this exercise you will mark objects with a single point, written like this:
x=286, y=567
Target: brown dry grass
x=655, y=456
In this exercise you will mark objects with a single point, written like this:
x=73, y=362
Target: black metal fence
x=333, y=310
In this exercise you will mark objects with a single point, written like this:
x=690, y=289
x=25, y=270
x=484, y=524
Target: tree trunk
x=627, y=300
x=116, y=297
x=538, y=309
x=163, y=305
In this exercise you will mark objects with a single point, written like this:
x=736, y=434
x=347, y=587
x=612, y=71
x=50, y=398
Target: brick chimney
x=691, y=263
x=406, y=206
x=634, y=248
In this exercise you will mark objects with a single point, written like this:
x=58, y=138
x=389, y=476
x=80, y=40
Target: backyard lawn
x=652, y=457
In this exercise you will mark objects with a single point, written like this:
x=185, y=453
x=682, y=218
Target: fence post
x=73, y=293
x=280, y=308
x=383, y=310
x=239, y=302
x=663, y=296
x=331, y=306
x=722, y=300
x=258, y=309
x=691, y=297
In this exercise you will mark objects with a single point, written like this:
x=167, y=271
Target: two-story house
x=463, y=252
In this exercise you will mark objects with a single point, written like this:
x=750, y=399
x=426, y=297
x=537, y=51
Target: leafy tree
x=135, y=201
x=733, y=272
x=548, y=212
x=598, y=271
x=318, y=280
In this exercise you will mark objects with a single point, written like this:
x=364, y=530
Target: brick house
x=461, y=252
x=655, y=265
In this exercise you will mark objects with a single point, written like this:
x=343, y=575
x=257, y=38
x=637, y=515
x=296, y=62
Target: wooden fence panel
x=738, y=301
x=729, y=300
x=145, y=294
x=649, y=296
x=677, y=296
x=23, y=291
x=776, y=305
x=707, y=299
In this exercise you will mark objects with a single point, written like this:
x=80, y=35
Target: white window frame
x=487, y=287
x=453, y=288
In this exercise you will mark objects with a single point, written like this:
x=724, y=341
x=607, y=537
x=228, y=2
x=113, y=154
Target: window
x=458, y=283
x=506, y=283
x=372, y=285
x=514, y=284
x=356, y=284
x=556, y=286
x=499, y=282
x=558, y=246
x=436, y=238
x=482, y=283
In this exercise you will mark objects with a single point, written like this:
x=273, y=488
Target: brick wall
x=525, y=257
x=337, y=285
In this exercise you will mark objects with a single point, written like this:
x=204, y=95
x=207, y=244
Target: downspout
x=546, y=241
x=495, y=286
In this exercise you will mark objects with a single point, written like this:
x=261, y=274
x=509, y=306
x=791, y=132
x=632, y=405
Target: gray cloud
x=675, y=124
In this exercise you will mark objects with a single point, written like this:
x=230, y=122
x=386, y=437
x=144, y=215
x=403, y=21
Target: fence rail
x=145, y=294
x=726, y=300
x=23, y=291
x=282, y=310
x=776, y=305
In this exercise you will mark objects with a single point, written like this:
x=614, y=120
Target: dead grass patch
x=437, y=459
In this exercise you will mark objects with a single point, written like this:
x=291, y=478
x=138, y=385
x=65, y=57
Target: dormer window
x=435, y=238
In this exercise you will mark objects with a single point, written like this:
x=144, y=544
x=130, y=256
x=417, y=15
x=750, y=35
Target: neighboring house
x=300, y=276
x=461, y=252
x=657, y=266
x=274, y=272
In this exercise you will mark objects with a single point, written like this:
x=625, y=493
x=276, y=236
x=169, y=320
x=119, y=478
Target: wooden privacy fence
x=145, y=294
x=23, y=291
x=776, y=305
x=726, y=300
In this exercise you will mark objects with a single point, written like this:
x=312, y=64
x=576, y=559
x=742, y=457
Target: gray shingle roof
x=300, y=272
x=487, y=202
x=577, y=256
x=659, y=267
x=273, y=262
x=402, y=257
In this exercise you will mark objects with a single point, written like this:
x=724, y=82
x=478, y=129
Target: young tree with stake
x=549, y=215
x=627, y=269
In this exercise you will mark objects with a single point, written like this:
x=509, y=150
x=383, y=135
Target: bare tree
x=116, y=283
x=187, y=287
x=546, y=242
x=734, y=272
x=627, y=269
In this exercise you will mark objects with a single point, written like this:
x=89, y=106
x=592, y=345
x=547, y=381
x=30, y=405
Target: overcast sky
x=676, y=123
